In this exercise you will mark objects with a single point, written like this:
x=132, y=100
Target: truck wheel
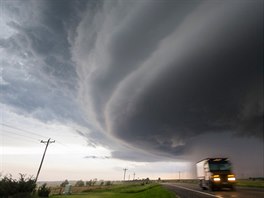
x=201, y=185
x=211, y=187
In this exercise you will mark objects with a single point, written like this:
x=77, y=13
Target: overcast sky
x=148, y=85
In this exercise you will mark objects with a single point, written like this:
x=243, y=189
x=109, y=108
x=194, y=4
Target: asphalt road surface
x=185, y=190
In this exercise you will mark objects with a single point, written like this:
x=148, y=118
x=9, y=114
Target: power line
x=26, y=131
x=20, y=135
x=7, y=132
x=32, y=133
x=31, y=139
x=29, y=132
x=11, y=135
x=66, y=146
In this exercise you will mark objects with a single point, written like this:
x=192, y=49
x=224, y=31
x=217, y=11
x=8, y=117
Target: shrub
x=21, y=188
x=43, y=191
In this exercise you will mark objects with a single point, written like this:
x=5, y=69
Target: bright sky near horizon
x=148, y=85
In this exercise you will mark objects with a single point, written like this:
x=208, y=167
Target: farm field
x=123, y=191
x=259, y=183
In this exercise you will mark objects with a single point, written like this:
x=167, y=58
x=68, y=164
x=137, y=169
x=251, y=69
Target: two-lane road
x=185, y=190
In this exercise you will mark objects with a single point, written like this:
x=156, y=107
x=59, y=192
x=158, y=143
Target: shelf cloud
x=158, y=73
x=147, y=78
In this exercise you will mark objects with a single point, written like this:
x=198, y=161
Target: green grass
x=125, y=191
x=251, y=183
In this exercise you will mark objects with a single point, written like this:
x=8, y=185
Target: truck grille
x=223, y=178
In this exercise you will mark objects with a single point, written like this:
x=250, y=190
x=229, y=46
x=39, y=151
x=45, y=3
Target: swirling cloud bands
x=153, y=76
x=158, y=73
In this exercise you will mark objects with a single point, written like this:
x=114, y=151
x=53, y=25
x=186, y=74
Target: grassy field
x=137, y=190
x=124, y=191
x=250, y=183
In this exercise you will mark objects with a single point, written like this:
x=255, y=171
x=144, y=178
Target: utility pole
x=47, y=144
x=179, y=175
x=125, y=169
x=134, y=176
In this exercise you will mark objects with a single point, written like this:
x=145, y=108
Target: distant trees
x=79, y=183
x=145, y=181
x=63, y=184
x=108, y=183
x=94, y=181
x=91, y=182
x=21, y=188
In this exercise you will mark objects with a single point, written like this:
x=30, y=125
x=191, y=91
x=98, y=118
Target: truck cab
x=215, y=173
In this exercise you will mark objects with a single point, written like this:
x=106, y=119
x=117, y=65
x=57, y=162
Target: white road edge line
x=195, y=191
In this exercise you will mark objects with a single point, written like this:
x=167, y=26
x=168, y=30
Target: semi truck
x=215, y=173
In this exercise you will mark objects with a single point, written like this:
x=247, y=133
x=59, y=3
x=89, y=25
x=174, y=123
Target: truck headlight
x=231, y=178
x=216, y=178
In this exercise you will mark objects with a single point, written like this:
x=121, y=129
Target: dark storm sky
x=162, y=78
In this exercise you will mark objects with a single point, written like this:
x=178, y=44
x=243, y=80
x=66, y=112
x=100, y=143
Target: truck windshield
x=220, y=166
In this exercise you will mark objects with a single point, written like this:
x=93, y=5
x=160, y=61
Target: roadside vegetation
x=252, y=182
x=123, y=191
x=21, y=188
x=25, y=187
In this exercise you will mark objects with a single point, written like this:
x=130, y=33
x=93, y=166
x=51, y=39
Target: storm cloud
x=163, y=72
x=38, y=78
x=148, y=79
